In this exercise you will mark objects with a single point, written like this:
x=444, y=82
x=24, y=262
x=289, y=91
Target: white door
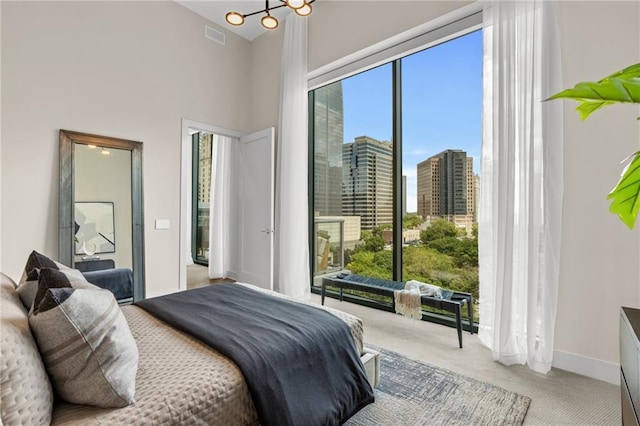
x=256, y=178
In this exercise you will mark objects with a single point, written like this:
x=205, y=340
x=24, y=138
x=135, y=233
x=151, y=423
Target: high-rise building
x=404, y=196
x=367, y=186
x=328, y=138
x=204, y=168
x=473, y=183
x=428, y=183
x=446, y=188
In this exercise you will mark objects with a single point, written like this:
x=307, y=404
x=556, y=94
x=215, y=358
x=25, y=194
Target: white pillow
x=85, y=342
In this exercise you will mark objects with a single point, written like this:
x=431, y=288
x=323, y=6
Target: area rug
x=413, y=393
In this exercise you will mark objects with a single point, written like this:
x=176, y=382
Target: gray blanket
x=300, y=362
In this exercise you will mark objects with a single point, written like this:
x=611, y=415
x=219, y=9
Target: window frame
x=438, y=31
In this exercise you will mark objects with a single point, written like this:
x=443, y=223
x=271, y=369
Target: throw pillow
x=26, y=397
x=28, y=285
x=85, y=342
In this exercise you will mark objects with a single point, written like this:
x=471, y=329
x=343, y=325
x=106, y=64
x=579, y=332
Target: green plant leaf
x=587, y=107
x=621, y=86
x=632, y=71
x=626, y=194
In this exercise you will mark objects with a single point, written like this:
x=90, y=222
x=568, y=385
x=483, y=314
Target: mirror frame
x=68, y=139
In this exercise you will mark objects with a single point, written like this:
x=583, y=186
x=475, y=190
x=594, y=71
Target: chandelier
x=301, y=7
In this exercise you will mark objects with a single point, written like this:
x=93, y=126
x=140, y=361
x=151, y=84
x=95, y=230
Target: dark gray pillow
x=85, y=342
x=28, y=285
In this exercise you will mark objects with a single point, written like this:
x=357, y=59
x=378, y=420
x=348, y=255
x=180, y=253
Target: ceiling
x=215, y=10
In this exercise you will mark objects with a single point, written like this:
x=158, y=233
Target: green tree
x=377, y=231
x=440, y=228
x=347, y=256
x=464, y=280
x=411, y=220
x=421, y=263
x=376, y=265
x=463, y=250
x=371, y=242
x=447, y=245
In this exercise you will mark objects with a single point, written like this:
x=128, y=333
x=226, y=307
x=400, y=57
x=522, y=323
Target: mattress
x=180, y=381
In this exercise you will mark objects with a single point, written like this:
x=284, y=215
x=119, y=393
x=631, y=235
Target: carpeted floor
x=413, y=393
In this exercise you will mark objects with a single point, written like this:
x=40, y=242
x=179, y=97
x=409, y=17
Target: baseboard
x=585, y=366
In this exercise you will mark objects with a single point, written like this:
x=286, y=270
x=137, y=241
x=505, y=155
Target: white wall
x=600, y=255
x=123, y=69
x=338, y=28
x=266, y=62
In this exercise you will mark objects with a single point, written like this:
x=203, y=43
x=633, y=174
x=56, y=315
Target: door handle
x=267, y=231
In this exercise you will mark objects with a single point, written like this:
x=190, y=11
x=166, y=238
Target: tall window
x=442, y=140
x=201, y=196
x=353, y=165
x=434, y=161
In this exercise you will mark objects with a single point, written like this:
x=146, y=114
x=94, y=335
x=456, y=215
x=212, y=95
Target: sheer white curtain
x=520, y=211
x=219, y=207
x=292, y=246
x=188, y=153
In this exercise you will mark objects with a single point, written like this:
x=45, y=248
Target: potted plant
x=620, y=87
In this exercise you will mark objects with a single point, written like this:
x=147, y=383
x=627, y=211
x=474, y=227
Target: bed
x=179, y=380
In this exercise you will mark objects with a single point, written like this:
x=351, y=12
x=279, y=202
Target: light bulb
x=295, y=4
x=304, y=10
x=234, y=18
x=269, y=22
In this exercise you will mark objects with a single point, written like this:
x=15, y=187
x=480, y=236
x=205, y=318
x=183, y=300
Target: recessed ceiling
x=215, y=10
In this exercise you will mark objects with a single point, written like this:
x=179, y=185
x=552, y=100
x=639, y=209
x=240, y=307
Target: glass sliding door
x=201, y=196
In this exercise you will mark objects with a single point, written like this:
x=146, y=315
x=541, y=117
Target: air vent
x=213, y=34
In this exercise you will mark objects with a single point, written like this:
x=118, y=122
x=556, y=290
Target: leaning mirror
x=101, y=229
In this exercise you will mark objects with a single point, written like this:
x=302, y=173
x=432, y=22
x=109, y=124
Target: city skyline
x=442, y=105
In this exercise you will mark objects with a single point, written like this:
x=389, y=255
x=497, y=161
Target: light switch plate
x=162, y=223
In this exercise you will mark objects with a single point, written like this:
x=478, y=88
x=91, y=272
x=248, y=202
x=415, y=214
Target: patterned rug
x=413, y=393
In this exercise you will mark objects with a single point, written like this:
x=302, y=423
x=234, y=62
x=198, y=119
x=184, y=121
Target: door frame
x=188, y=128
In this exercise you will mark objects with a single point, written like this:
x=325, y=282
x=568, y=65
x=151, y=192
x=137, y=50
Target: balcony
x=329, y=238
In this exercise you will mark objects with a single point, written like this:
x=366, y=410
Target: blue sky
x=441, y=105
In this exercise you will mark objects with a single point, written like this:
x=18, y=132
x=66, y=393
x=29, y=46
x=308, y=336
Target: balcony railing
x=329, y=239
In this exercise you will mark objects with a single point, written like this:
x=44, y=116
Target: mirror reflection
x=101, y=230
x=102, y=204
